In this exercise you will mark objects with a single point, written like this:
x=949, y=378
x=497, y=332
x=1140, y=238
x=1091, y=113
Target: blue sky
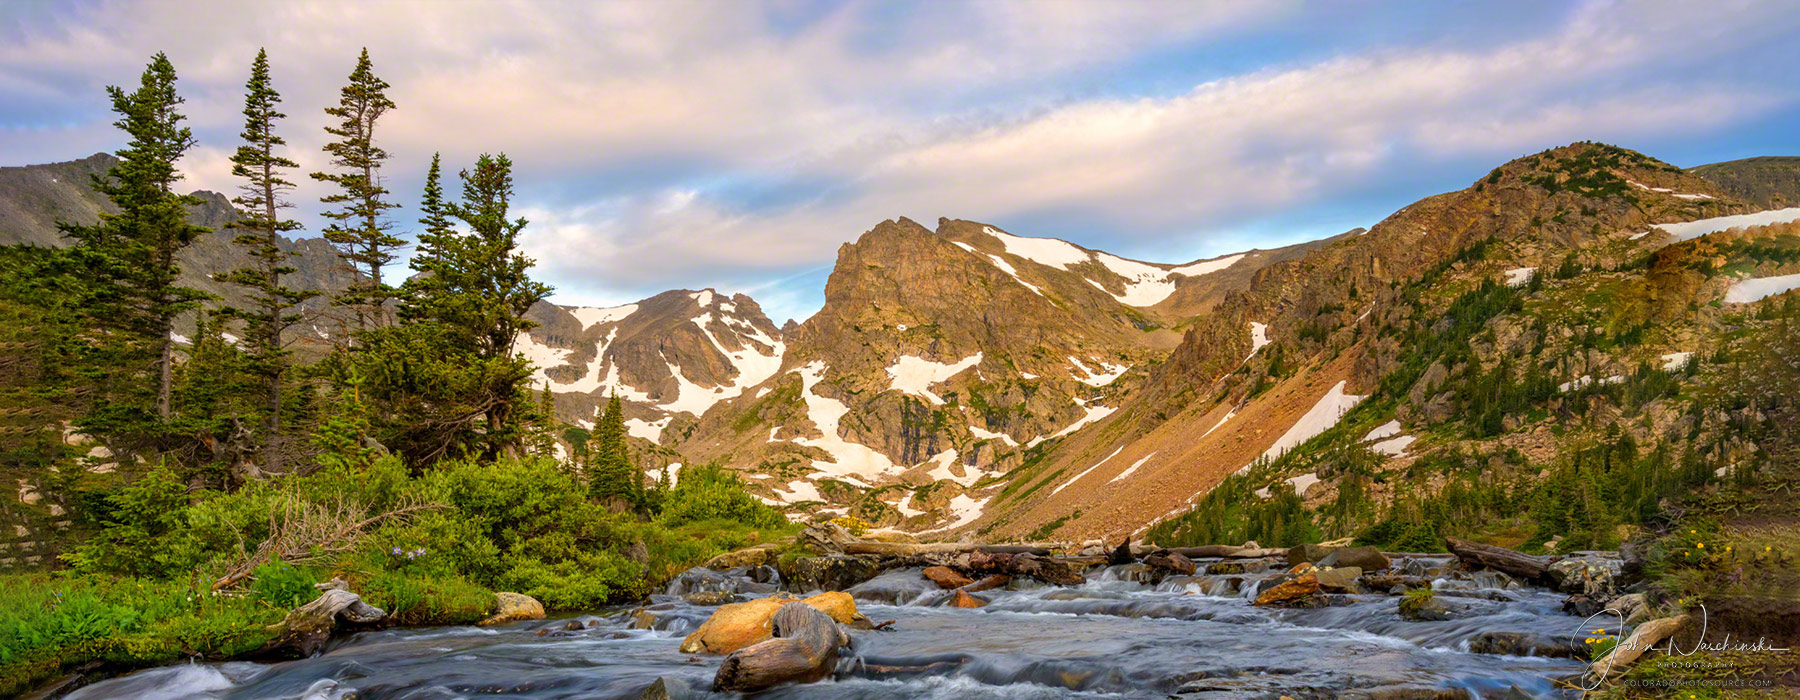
x=736, y=145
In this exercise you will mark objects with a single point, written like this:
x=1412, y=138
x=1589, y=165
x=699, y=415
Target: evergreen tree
x=614, y=475
x=259, y=220
x=358, y=227
x=131, y=254
x=477, y=285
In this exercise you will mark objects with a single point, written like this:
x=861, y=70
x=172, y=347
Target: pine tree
x=358, y=227
x=131, y=254
x=259, y=219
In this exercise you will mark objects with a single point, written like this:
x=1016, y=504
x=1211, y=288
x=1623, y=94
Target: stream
x=1189, y=637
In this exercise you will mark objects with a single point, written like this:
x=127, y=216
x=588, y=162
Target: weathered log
x=901, y=549
x=306, y=629
x=1171, y=561
x=1500, y=559
x=1227, y=551
x=1121, y=555
x=804, y=650
x=1645, y=636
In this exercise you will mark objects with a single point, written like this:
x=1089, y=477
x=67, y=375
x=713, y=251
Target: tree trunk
x=305, y=629
x=1500, y=559
x=165, y=381
x=899, y=549
x=1227, y=551
x=804, y=649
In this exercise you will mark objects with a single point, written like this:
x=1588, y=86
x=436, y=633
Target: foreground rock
x=803, y=648
x=306, y=629
x=514, y=607
x=946, y=577
x=1305, y=585
x=966, y=601
x=740, y=625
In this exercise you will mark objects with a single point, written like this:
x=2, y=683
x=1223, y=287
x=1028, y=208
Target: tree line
x=423, y=368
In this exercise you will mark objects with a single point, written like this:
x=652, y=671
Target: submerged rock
x=833, y=572
x=962, y=599
x=946, y=577
x=1303, y=586
x=1366, y=558
x=1340, y=580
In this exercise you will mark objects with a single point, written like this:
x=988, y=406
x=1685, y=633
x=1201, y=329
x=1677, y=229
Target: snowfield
x=1520, y=276
x=1145, y=284
x=915, y=375
x=1676, y=360
x=1750, y=290
x=985, y=434
x=847, y=458
x=1324, y=414
x=590, y=317
x=965, y=509
x=1133, y=468
x=649, y=430
x=1109, y=372
x=1690, y=230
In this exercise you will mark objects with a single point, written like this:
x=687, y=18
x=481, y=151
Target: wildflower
x=1700, y=545
x=397, y=551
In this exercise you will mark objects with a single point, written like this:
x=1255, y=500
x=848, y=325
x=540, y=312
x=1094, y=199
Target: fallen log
x=1645, y=636
x=1227, y=551
x=1501, y=559
x=804, y=650
x=901, y=549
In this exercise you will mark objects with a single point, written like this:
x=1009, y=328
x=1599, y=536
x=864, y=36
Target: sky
x=736, y=145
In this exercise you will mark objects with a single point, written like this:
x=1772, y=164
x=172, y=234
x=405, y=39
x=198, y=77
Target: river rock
x=1595, y=577
x=826, y=537
x=1237, y=567
x=1303, y=586
x=760, y=555
x=1173, y=562
x=1365, y=558
x=833, y=572
x=665, y=688
x=1582, y=606
x=1524, y=644
x=707, y=599
x=946, y=577
x=1432, y=609
x=513, y=607
x=962, y=599
x=1339, y=580
x=738, y=625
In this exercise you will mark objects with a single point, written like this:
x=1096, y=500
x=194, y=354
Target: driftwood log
x=1227, y=551
x=306, y=629
x=988, y=582
x=1500, y=559
x=804, y=649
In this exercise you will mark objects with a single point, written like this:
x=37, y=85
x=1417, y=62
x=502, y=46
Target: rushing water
x=1110, y=638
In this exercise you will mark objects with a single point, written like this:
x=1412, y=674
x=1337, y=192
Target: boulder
x=1524, y=644
x=1365, y=558
x=1307, y=553
x=1173, y=562
x=513, y=607
x=833, y=572
x=962, y=599
x=1582, y=606
x=826, y=537
x=1303, y=586
x=1430, y=608
x=946, y=577
x=739, y=625
x=1595, y=577
x=1340, y=580
x=708, y=599
x=1237, y=567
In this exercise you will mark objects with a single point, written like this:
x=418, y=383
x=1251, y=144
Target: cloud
x=689, y=144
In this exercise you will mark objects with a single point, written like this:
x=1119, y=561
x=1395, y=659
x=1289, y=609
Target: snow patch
x=1259, y=336
x=1520, y=276
x=1085, y=472
x=1667, y=191
x=590, y=317
x=648, y=430
x=985, y=434
x=1746, y=291
x=1049, y=252
x=1324, y=414
x=798, y=491
x=1676, y=360
x=1383, y=431
x=1689, y=230
x=1587, y=380
x=1221, y=423
x=1393, y=447
x=1208, y=267
x=1094, y=413
x=1109, y=374
x=914, y=375
x=1133, y=468
x=965, y=509
x=1004, y=267
x=942, y=472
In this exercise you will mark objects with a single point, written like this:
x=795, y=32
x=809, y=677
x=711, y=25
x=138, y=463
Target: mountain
x=1309, y=340
x=35, y=198
x=1769, y=181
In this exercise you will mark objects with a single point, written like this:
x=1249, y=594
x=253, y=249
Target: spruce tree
x=614, y=476
x=259, y=220
x=358, y=226
x=131, y=254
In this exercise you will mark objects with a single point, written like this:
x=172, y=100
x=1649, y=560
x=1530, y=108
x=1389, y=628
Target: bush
x=283, y=585
x=710, y=492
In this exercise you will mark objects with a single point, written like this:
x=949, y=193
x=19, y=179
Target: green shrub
x=283, y=585
x=711, y=492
